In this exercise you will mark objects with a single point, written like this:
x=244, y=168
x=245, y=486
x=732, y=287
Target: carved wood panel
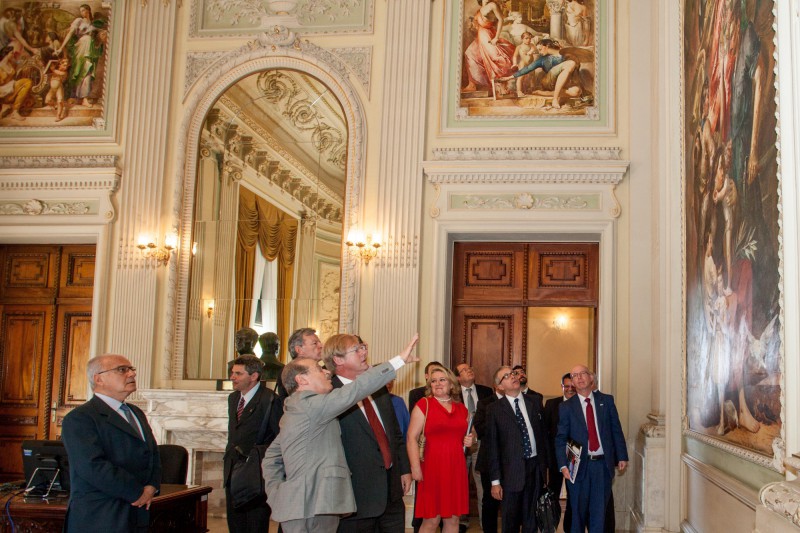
x=487, y=337
x=45, y=331
x=488, y=270
x=563, y=273
x=29, y=272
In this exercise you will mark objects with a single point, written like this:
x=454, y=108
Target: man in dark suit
x=556, y=480
x=114, y=466
x=471, y=394
x=373, y=444
x=415, y=395
x=591, y=420
x=253, y=415
x=489, y=506
x=518, y=452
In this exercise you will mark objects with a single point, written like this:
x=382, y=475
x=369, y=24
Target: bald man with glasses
x=114, y=466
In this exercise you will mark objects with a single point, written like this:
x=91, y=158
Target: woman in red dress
x=442, y=491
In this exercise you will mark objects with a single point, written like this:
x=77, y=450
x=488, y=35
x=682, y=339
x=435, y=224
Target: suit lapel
x=115, y=419
x=357, y=412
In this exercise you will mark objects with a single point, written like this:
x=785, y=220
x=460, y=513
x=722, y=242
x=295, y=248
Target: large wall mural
x=54, y=66
x=529, y=63
x=733, y=341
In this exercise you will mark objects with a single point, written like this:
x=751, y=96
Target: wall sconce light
x=210, y=308
x=560, y=322
x=363, y=247
x=152, y=251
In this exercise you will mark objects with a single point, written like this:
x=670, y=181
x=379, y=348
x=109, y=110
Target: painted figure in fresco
x=12, y=91
x=11, y=30
x=576, y=25
x=488, y=56
x=524, y=55
x=514, y=32
x=558, y=72
x=58, y=72
x=84, y=50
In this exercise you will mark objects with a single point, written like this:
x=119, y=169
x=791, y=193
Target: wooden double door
x=494, y=286
x=45, y=329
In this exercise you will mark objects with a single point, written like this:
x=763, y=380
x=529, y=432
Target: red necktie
x=380, y=433
x=594, y=442
x=240, y=408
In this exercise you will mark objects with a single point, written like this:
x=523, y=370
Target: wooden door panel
x=71, y=354
x=11, y=455
x=487, y=338
x=563, y=274
x=77, y=272
x=493, y=271
x=29, y=272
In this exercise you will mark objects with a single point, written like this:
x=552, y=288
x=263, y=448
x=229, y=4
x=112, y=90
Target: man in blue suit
x=114, y=467
x=591, y=420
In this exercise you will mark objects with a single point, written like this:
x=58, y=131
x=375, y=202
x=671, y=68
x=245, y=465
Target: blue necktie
x=131, y=421
x=527, y=449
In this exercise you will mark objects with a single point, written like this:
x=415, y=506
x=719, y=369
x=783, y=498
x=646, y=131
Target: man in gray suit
x=305, y=470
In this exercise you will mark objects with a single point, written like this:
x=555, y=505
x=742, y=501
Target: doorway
x=533, y=304
x=45, y=331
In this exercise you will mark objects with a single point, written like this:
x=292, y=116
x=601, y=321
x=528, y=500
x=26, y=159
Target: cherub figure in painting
x=55, y=96
x=524, y=54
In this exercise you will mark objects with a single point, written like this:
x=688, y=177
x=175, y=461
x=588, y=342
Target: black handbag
x=246, y=480
x=548, y=511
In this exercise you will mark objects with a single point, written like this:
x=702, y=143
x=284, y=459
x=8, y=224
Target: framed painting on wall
x=731, y=219
x=529, y=64
x=58, y=65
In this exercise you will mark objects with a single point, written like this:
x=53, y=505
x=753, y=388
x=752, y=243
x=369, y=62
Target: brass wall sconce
x=560, y=322
x=363, y=247
x=161, y=254
x=210, y=308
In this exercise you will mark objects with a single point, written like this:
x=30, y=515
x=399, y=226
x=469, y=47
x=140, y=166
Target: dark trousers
x=391, y=521
x=519, y=506
x=590, y=497
x=252, y=519
x=489, y=506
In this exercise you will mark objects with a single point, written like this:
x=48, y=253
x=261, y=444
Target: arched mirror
x=268, y=217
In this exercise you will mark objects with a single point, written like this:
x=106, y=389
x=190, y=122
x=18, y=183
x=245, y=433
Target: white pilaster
x=399, y=186
x=150, y=35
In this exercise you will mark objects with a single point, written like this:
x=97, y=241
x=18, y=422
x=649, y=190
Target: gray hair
x=297, y=339
x=293, y=369
x=95, y=366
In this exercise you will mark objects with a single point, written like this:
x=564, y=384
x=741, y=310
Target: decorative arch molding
x=280, y=49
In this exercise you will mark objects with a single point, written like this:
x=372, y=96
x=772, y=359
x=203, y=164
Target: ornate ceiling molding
x=359, y=59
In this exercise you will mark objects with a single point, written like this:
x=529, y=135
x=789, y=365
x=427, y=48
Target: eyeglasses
x=579, y=374
x=505, y=376
x=465, y=369
x=356, y=348
x=122, y=370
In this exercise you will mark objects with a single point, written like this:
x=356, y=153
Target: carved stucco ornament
x=35, y=207
x=783, y=498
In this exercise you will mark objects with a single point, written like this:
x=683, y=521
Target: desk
x=176, y=508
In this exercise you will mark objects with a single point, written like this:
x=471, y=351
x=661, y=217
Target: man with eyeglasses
x=556, y=480
x=518, y=452
x=373, y=444
x=489, y=506
x=590, y=419
x=305, y=470
x=114, y=466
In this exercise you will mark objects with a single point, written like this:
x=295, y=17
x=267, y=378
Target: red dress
x=443, y=490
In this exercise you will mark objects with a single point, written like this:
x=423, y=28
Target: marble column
x=556, y=8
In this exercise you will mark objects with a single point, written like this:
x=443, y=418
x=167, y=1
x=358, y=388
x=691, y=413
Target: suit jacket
x=482, y=391
x=572, y=425
x=551, y=425
x=538, y=397
x=506, y=456
x=415, y=395
x=482, y=461
x=364, y=458
x=305, y=469
x=109, y=466
x=243, y=432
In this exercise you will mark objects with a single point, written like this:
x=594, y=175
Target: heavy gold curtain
x=276, y=234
